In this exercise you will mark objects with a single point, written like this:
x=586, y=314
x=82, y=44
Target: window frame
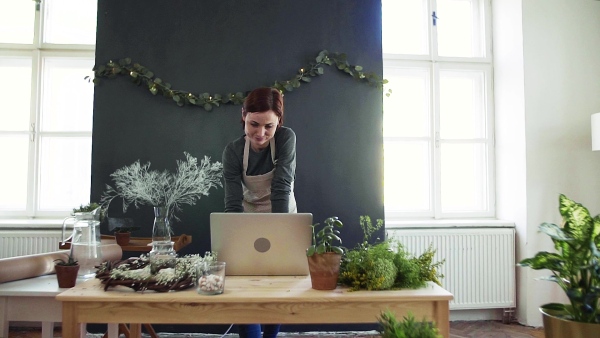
x=36, y=51
x=434, y=63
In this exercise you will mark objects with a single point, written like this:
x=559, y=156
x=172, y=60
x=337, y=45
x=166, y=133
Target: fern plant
x=409, y=327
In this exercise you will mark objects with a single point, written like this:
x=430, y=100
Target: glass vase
x=161, y=231
x=162, y=254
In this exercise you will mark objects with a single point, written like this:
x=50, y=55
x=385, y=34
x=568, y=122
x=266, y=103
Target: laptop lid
x=262, y=244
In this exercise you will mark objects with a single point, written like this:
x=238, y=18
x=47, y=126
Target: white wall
x=547, y=84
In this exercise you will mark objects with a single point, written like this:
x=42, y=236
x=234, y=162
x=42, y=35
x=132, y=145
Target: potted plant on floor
x=66, y=271
x=575, y=267
x=323, y=256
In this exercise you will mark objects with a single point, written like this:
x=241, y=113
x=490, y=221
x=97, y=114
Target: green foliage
x=70, y=261
x=126, y=228
x=409, y=275
x=322, y=241
x=575, y=266
x=369, y=267
x=142, y=76
x=86, y=208
x=96, y=209
x=409, y=327
x=385, y=264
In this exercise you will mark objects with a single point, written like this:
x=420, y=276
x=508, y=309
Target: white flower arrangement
x=136, y=273
x=138, y=185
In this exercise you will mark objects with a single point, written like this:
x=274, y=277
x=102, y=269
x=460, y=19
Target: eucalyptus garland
x=141, y=75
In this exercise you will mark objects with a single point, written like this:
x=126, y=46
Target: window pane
x=65, y=172
x=17, y=21
x=67, y=99
x=70, y=22
x=405, y=27
x=15, y=95
x=407, y=176
x=462, y=105
x=460, y=28
x=14, y=150
x=407, y=110
x=464, y=181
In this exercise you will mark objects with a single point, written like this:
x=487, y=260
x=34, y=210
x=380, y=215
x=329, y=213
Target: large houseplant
x=575, y=267
x=324, y=256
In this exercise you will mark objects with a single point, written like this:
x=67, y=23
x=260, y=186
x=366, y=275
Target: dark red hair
x=264, y=99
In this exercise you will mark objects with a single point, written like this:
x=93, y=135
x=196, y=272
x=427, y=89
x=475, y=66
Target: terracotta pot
x=122, y=238
x=324, y=270
x=66, y=275
x=557, y=327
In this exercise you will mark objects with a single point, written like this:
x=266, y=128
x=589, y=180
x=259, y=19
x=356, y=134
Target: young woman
x=259, y=170
x=260, y=167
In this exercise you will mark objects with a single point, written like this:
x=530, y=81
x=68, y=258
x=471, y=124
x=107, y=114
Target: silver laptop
x=263, y=244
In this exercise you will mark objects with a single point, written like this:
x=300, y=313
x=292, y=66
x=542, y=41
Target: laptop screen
x=262, y=244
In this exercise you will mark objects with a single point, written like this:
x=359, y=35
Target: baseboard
x=479, y=314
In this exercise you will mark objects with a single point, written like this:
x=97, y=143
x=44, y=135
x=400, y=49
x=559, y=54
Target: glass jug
x=85, y=241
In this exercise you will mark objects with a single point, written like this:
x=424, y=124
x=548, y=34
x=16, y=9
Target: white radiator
x=480, y=263
x=26, y=242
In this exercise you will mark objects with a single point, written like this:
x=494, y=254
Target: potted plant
x=66, y=271
x=575, y=267
x=323, y=256
x=123, y=230
x=409, y=327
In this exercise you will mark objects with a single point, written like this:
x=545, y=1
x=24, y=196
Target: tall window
x=46, y=51
x=438, y=122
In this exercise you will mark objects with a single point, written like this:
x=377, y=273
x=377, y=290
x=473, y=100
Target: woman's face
x=260, y=128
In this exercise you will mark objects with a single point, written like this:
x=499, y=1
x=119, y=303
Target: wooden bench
x=34, y=300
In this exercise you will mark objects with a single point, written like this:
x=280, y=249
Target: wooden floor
x=458, y=329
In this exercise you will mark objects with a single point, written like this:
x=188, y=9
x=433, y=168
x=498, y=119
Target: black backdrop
x=221, y=46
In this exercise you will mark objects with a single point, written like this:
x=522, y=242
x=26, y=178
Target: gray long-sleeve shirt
x=260, y=163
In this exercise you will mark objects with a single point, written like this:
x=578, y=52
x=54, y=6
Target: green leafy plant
x=126, y=228
x=575, y=265
x=385, y=264
x=323, y=240
x=70, y=261
x=409, y=327
x=141, y=75
x=86, y=208
x=96, y=209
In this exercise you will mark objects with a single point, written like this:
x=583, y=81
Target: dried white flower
x=138, y=185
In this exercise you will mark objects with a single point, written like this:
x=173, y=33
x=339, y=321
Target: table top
x=252, y=289
x=41, y=286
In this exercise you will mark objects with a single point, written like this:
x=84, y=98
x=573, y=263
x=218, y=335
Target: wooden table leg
x=70, y=326
x=135, y=330
x=150, y=330
x=442, y=317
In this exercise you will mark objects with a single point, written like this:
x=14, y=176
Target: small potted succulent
x=66, y=271
x=324, y=257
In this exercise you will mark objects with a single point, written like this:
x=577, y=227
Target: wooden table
x=249, y=299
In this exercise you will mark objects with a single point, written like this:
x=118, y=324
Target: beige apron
x=257, y=189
